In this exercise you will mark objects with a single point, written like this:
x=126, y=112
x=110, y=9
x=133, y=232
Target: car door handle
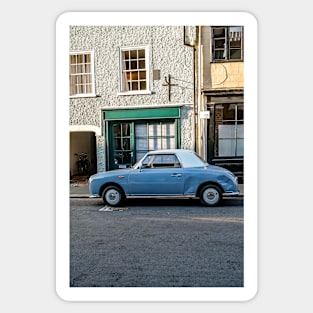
x=176, y=175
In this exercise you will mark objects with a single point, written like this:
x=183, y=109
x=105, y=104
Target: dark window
x=227, y=43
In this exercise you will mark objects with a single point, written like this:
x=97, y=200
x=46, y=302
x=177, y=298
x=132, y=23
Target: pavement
x=79, y=189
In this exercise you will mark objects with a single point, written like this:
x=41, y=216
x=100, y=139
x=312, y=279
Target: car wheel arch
x=200, y=188
x=103, y=187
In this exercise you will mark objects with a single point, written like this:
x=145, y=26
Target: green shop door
x=121, y=147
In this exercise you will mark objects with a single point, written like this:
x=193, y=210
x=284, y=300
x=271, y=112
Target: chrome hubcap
x=112, y=196
x=211, y=196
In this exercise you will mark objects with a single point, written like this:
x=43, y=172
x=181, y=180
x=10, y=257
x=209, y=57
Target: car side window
x=161, y=161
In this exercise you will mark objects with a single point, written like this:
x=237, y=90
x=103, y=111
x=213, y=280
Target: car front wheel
x=112, y=196
x=211, y=195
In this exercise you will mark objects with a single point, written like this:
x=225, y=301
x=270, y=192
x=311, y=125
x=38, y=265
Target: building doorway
x=83, y=157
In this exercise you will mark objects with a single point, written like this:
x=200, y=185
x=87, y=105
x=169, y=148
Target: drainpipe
x=199, y=96
x=190, y=40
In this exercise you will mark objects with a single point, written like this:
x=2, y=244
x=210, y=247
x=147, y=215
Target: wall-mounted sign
x=205, y=114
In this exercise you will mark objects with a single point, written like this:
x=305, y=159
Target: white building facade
x=131, y=91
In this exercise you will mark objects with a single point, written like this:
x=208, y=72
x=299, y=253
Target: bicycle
x=83, y=164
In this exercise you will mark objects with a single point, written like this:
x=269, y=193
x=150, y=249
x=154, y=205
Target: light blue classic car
x=174, y=173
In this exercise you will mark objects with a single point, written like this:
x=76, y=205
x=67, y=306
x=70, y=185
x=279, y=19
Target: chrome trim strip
x=230, y=193
x=160, y=196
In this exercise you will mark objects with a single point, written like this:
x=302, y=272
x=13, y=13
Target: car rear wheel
x=211, y=195
x=112, y=195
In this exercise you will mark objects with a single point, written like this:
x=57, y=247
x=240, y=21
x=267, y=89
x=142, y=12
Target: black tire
x=211, y=195
x=113, y=196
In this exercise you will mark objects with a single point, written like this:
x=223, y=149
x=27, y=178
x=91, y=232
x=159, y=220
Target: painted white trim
x=133, y=93
x=152, y=106
x=93, y=92
x=147, y=62
x=86, y=128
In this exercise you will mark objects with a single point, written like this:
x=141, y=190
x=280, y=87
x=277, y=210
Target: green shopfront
x=130, y=133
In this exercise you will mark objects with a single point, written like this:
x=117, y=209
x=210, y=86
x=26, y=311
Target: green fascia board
x=133, y=114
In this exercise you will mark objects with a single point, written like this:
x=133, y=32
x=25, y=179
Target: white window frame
x=92, y=68
x=147, y=69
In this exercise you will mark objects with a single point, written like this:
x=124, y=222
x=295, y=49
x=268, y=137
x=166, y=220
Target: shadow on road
x=179, y=202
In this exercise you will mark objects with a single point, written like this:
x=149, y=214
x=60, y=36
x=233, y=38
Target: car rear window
x=192, y=160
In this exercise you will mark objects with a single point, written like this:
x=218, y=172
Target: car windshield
x=135, y=165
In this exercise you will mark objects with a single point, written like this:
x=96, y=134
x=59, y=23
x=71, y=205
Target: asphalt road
x=159, y=243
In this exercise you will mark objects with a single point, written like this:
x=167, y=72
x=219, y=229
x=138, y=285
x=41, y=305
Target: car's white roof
x=188, y=158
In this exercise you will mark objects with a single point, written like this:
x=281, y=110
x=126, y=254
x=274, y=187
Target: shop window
x=229, y=130
x=153, y=136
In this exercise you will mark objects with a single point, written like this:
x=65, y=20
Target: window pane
x=240, y=131
x=142, y=75
x=126, y=129
x=142, y=64
x=133, y=54
x=142, y=144
x=226, y=147
x=229, y=112
x=143, y=86
x=141, y=53
x=235, y=44
x=168, y=129
x=240, y=150
x=226, y=131
x=117, y=130
x=117, y=144
x=219, y=44
x=155, y=143
x=73, y=69
x=141, y=130
x=133, y=65
x=168, y=143
x=219, y=55
x=134, y=86
x=235, y=54
x=155, y=129
x=239, y=112
x=219, y=31
x=126, y=55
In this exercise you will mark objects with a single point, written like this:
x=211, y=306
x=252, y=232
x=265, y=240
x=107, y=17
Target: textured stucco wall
x=167, y=53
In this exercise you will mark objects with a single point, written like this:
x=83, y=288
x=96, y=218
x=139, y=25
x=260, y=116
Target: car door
x=160, y=174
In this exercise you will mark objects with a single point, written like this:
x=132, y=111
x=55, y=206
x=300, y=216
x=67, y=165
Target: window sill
x=226, y=61
x=90, y=95
x=134, y=93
